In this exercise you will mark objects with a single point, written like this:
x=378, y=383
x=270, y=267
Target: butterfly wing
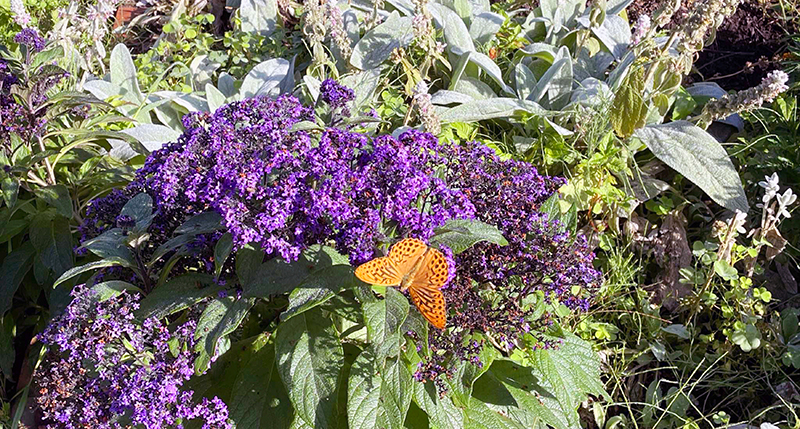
x=424, y=288
x=406, y=252
x=380, y=271
x=430, y=303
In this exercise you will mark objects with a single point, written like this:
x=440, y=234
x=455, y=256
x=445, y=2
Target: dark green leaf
x=15, y=265
x=222, y=250
x=140, y=209
x=7, y=353
x=72, y=272
x=177, y=294
x=480, y=416
x=221, y=317
x=310, y=358
x=111, y=245
x=58, y=197
x=259, y=398
x=461, y=234
x=202, y=223
x=170, y=245
x=10, y=188
x=112, y=288
x=52, y=239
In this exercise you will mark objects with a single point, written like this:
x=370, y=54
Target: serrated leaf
x=479, y=416
x=177, y=294
x=384, y=317
x=221, y=317
x=461, y=234
x=310, y=358
x=440, y=410
x=14, y=268
x=378, y=396
x=694, y=153
x=377, y=45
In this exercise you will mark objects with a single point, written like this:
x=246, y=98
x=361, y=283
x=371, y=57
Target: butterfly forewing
x=380, y=271
x=406, y=252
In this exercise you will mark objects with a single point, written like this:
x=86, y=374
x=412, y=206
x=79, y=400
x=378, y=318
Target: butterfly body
x=414, y=267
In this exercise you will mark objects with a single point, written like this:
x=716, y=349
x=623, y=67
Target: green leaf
x=94, y=265
x=7, y=353
x=514, y=391
x=258, y=16
x=259, y=399
x=10, y=188
x=383, y=318
x=318, y=288
x=46, y=57
x=566, y=375
x=466, y=373
x=628, y=111
x=177, y=294
x=310, y=358
x=140, y=209
x=377, y=45
x=112, y=288
x=480, y=416
x=684, y=104
x=221, y=317
x=378, y=396
x=52, y=239
x=111, y=245
x=440, y=410
x=202, y=223
x=58, y=197
x=461, y=234
x=222, y=250
x=502, y=108
x=694, y=153
x=15, y=265
x=725, y=270
x=277, y=276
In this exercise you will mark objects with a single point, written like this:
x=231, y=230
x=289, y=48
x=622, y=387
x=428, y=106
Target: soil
x=747, y=46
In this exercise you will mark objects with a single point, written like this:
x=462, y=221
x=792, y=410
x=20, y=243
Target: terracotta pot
x=125, y=14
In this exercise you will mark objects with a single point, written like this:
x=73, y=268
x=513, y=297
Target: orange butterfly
x=415, y=267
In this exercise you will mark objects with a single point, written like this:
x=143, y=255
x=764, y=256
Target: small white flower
x=788, y=198
x=738, y=221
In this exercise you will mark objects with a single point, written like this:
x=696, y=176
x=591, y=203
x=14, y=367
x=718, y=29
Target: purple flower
x=335, y=94
x=103, y=365
x=30, y=38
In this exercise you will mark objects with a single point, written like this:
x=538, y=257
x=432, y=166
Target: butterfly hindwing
x=430, y=303
x=379, y=271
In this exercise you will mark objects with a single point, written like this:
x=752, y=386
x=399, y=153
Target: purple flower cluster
x=31, y=39
x=288, y=190
x=335, y=94
x=494, y=285
x=104, y=368
x=14, y=118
